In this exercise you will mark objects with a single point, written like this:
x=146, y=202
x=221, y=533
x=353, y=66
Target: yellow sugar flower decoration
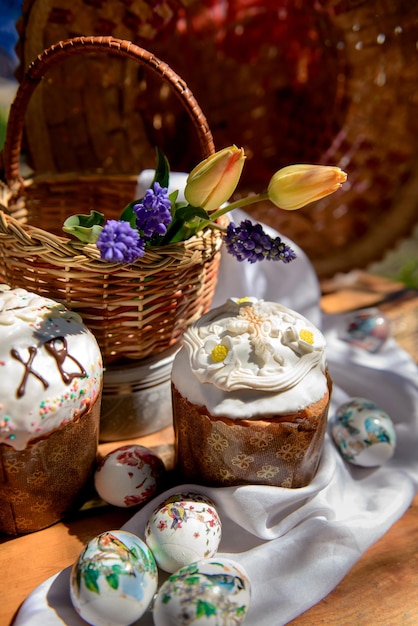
x=219, y=353
x=306, y=336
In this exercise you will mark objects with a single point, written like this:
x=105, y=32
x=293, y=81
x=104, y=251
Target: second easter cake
x=251, y=392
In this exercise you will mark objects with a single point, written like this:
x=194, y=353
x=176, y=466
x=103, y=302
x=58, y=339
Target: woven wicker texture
x=133, y=310
x=330, y=81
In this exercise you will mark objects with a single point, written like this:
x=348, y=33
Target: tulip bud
x=294, y=186
x=213, y=181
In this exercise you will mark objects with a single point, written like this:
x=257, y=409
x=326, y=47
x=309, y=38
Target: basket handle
x=77, y=45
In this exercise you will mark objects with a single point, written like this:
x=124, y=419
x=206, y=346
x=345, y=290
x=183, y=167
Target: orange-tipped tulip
x=213, y=181
x=294, y=186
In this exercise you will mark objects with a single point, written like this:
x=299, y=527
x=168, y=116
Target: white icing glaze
x=250, y=358
x=50, y=366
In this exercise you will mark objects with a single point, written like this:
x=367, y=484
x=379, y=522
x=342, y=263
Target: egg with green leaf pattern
x=114, y=579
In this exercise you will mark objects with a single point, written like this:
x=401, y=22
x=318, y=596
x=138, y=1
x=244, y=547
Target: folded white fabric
x=296, y=544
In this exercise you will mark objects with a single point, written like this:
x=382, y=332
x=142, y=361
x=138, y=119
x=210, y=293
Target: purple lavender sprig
x=249, y=242
x=153, y=213
x=118, y=242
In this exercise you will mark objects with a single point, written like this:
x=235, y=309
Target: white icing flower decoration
x=306, y=339
x=219, y=353
x=302, y=339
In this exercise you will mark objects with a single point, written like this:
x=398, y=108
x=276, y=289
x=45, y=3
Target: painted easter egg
x=114, y=579
x=206, y=593
x=184, y=528
x=363, y=433
x=129, y=475
x=367, y=329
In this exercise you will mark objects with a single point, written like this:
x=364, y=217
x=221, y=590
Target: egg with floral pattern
x=184, y=528
x=129, y=476
x=363, y=433
x=208, y=592
x=114, y=579
x=367, y=329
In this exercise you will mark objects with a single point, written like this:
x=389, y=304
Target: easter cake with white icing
x=251, y=393
x=50, y=388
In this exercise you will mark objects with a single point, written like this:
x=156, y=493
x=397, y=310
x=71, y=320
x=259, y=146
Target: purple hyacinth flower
x=118, y=242
x=153, y=214
x=249, y=242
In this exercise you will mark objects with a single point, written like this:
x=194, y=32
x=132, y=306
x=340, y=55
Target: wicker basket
x=134, y=310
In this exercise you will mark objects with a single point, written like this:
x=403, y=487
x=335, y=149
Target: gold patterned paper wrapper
x=282, y=451
x=51, y=477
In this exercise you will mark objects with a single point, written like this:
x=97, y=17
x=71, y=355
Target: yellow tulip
x=213, y=181
x=294, y=186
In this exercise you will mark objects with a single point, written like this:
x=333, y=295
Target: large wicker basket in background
x=319, y=81
x=134, y=310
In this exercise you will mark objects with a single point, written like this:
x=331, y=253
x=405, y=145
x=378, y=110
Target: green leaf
x=173, y=198
x=186, y=222
x=113, y=580
x=90, y=580
x=174, y=233
x=134, y=553
x=162, y=169
x=205, y=609
x=86, y=228
x=189, y=213
x=128, y=214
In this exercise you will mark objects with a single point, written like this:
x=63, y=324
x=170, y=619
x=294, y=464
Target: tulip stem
x=238, y=204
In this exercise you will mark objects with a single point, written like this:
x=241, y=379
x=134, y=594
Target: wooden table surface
x=380, y=590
